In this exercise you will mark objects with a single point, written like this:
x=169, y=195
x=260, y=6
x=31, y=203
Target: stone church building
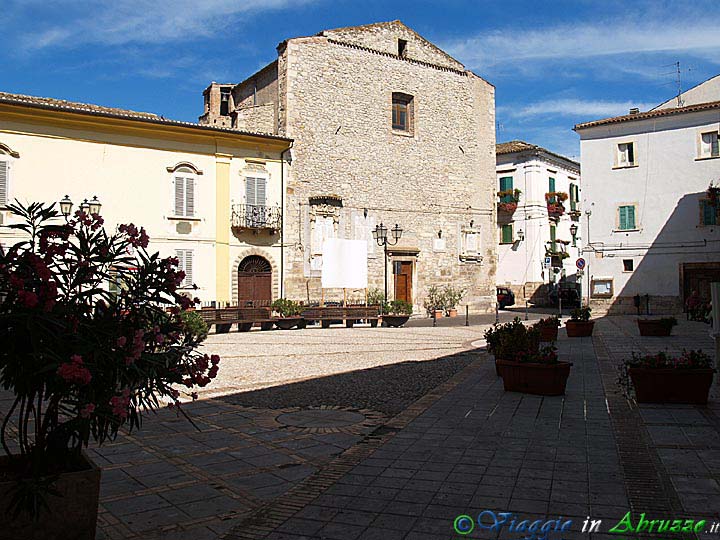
x=387, y=128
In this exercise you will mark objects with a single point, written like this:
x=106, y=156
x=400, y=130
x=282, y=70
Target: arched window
x=184, y=189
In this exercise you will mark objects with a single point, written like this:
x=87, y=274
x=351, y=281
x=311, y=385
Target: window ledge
x=399, y=133
x=626, y=230
x=633, y=166
x=181, y=218
x=704, y=158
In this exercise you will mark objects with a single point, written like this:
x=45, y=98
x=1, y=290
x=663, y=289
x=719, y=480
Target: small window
x=4, y=182
x=224, y=101
x=402, y=48
x=506, y=184
x=574, y=197
x=185, y=263
x=708, y=213
x=255, y=191
x=402, y=112
x=709, y=145
x=626, y=218
x=506, y=234
x=184, y=194
x=626, y=154
x=628, y=265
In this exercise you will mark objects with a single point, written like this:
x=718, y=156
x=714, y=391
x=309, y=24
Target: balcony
x=256, y=218
x=555, y=206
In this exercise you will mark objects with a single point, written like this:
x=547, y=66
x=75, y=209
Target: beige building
x=179, y=180
x=388, y=129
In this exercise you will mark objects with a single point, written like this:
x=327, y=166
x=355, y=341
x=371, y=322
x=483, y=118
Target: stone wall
x=335, y=101
x=259, y=90
x=625, y=305
x=259, y=118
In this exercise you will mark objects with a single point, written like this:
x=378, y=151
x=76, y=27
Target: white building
x=540, y=227
x=650, y=228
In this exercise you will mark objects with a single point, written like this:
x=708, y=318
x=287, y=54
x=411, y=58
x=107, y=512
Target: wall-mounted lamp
x=521, y=235
x=440, y=233
x=365, y=212
x=573, y=233
x=472, y=222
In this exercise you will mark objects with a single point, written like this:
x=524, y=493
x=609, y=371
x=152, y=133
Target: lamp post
x=89, y=207
x=380, y=234
x=573, y=233
x=66, y=206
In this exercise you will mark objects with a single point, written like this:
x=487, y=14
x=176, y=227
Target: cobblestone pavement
x=470, y=446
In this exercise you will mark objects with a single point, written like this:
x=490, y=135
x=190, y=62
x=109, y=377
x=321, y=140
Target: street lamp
x=85, y=206
x=380, y=234
x=573, y=233
x=521, y=235
x=95, y=205
x=66, y=206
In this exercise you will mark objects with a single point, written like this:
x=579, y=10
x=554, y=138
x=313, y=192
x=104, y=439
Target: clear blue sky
x=552, y=66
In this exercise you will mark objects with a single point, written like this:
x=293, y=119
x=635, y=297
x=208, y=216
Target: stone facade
x=350, y=170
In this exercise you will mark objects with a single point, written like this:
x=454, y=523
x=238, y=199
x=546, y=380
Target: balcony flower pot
x=438, y=314
x=288, y=323
x=541, y=379
x=71, y=515
x=671, y=385
x=395, y=321
x=579, y=328
x=656, y=327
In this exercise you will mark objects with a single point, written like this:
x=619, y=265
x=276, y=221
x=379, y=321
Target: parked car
x=570, y=297
x=505, y=297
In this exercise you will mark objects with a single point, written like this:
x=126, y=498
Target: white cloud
x=585, y=41
x=138, y=21
x=572, y=107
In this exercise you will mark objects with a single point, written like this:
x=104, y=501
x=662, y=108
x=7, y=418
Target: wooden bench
x=244, y=317
x=349, y=314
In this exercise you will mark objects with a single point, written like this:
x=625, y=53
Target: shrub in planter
x=661, y=378
x=452, y=297
x=375, y=297
x=396, y=313
x=512, y=341
x=435, y=302
x=289, y=311
x=548, y=328
x=580, y=324
x=82, y=361
x=656, y=327
x=194, y=326
x=537, y=373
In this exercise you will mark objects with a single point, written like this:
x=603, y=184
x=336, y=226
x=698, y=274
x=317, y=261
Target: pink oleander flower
x=121, y=341
x=87, y=410
x=74, y=371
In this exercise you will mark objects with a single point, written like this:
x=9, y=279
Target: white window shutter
x=189, y=267
x=250, y=191
x=3, y=183
x=189, y=197
x=260, y=191
x=179, y=196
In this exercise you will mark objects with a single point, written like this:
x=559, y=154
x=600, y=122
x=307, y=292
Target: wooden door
x=403, y=280
x=254, y=282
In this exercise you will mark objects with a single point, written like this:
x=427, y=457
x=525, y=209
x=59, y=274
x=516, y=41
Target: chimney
x=634, y=110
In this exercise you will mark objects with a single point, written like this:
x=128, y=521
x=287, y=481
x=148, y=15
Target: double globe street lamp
x=380, y=234
x=89, y=207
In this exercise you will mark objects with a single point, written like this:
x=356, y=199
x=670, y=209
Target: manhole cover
x=320, y=418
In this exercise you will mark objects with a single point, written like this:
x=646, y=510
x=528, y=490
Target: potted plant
x=435, y=302
x=661, y=378
x=375, y=297
x=396, y=313
x=548, y=328
x=538, y=373
x=289, y=312
x=713, y=194
x=580, y=324
x=656, y=327
x=510, y=339
x=509, y=199
x=452, y=297
x=82, y=361
x=554, y=200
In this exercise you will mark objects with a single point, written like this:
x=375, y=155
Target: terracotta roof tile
x=650, y=114
x=521, y=146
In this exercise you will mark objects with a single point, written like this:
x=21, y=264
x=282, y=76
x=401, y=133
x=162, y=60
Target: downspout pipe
x=282, y=219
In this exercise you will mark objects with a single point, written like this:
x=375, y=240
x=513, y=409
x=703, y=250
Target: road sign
x=580, y=263
x=547, y=262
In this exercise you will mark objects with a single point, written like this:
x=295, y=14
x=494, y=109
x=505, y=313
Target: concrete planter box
x=672, y=385
x=71, y=516
x=530, y=378
x=579, y=328
x=654, y=327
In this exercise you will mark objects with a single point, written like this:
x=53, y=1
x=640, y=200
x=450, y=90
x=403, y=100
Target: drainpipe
x=282, y=219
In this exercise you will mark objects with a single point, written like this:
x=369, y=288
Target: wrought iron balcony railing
x=256, y=217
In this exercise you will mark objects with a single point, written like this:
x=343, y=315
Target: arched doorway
x=254, y=281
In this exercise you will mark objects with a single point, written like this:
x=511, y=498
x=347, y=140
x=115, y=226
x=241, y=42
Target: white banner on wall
x=344, y=264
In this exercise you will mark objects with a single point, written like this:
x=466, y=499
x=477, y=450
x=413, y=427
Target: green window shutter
x=507, y=234
x=573, y=197
x=631, y=217
x=709, y=216
x=623, y=218
x=553, y=237
x=506, y=183
x=551, y=184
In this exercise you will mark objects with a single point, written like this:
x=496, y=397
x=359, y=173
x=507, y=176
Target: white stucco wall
x=667, y=184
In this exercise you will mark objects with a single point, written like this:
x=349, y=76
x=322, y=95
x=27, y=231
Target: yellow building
x=211, y=196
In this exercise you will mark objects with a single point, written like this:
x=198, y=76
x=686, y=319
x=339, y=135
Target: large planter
x=287, y=323
x=395, y=321
x=671, y=385
x=452, y=312
x=530, y=378
x=71, y=516
x=654, y=327
x=579, y=328
x=548, y=332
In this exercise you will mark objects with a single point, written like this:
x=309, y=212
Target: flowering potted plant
x=548, y=328
x=661, y=378
x=554, y=200
x=580, y=324
x=713, y=194
x=396, y=313
x=523, y=365
x=656, y=327
x=81, y=360
x=509, y=199
x=289, y=311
